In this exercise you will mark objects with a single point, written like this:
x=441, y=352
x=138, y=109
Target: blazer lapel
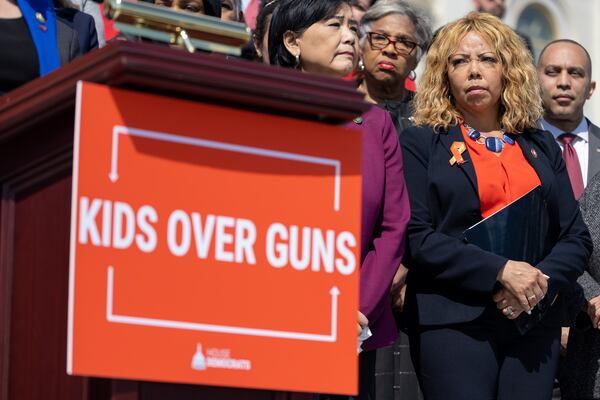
x=532, y=157
x=593, y=151
x=455, y=135
x=529, y=152
x=63, y=37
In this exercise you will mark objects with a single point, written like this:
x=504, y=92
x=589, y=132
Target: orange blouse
x=501, y=179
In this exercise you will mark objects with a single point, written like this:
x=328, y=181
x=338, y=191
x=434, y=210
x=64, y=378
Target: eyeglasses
x=380, y=41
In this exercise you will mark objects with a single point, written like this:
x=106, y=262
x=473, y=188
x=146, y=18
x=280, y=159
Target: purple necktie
x=572, y=161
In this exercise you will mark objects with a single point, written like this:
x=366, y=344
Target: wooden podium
x=36, y=139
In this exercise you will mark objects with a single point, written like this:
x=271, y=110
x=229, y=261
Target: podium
x=36, y=150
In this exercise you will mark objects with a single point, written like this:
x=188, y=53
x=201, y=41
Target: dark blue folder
x=518, y=232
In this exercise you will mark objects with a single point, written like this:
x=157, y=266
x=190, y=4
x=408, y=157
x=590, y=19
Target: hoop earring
x=298, y=62
x=412, y=75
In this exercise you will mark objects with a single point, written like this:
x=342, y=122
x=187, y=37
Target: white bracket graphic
x=119, y=130
x=193, y=326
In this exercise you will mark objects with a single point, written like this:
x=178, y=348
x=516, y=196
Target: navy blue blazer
x=450, y=281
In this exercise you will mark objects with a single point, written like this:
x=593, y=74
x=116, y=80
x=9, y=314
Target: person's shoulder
x=590, y=201
x=418, y=138
x=539, y=135
x=73, y=17
x=375, y=115
x=376, y=119
x=66, y=15
x=545, y=142
x=593, y=128
x=421, y=130
x=421, y=133
x=64, y=24
x=83, y=24
x=594, y=184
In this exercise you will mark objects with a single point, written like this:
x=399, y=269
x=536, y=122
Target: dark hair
x=356, y=3
x=266, y=9
x=296, y=16
x=212, y=7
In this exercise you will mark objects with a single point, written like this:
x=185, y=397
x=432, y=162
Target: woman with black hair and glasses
x=320, y=37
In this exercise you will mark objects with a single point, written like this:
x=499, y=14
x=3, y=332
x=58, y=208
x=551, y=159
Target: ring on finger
x=509, y=311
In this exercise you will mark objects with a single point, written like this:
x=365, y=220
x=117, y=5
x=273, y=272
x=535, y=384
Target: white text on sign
x=118, y=225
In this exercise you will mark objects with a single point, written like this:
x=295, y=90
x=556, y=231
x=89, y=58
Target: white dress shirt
x=580, y=143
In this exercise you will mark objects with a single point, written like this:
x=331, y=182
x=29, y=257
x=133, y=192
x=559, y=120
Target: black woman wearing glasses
x=393, y=37
x=476, y=149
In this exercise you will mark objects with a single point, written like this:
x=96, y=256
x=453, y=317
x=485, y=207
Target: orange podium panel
x=212, y=245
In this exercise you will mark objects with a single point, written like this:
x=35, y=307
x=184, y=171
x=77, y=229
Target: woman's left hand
x=508, y=304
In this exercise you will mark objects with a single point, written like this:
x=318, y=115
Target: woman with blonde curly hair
x=477, y=149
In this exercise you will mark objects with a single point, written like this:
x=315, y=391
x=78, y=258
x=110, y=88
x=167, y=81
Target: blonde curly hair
x=521, y=104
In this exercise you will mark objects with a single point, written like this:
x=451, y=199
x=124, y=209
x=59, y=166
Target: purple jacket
x=385, y=216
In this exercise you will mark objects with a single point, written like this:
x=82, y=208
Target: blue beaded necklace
x=492, y=143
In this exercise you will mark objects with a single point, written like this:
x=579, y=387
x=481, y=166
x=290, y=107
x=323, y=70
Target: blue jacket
x=41, y=20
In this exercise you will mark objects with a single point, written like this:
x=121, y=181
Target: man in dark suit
x=565, y=73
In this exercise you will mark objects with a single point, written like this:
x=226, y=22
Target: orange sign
x=212, y=245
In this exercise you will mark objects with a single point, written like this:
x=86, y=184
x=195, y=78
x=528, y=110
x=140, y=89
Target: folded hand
x=508, y=304
x=525, y=282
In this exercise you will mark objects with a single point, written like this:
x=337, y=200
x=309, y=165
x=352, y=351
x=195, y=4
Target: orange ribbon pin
x=457, y=149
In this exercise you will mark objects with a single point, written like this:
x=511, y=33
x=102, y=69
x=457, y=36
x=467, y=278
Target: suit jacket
x=385, y=215
x=81, y=23
x=450, y=281
x=67, y=41
x=594, y=151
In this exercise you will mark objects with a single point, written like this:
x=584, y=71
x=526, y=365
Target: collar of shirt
x=581, y=131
